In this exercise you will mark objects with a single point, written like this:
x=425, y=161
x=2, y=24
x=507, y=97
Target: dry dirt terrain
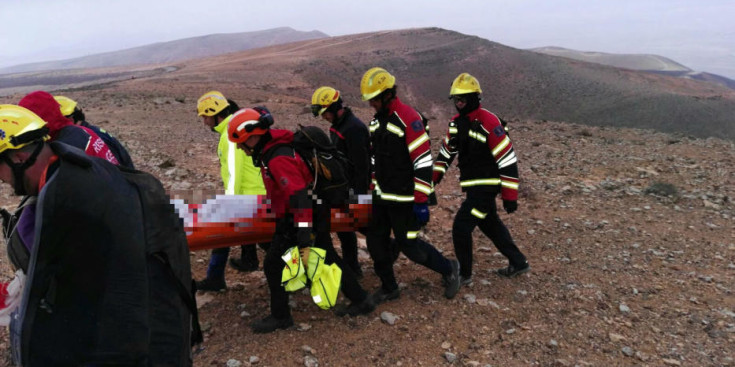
x=629, y=233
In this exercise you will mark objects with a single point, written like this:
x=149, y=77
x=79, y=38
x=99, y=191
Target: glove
x=421, y=211
x=510, y=206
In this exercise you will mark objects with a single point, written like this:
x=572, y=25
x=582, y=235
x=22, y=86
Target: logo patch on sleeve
x=284, y=181
x=499, y=131
x=417, y=126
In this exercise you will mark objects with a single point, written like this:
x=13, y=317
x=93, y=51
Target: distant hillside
x=184, y=49
x=642, y=62
x=517, y=84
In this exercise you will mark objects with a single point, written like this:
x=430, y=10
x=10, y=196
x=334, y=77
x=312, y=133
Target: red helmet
x=248, y=122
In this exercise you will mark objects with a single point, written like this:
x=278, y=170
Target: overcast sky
x=698, y=33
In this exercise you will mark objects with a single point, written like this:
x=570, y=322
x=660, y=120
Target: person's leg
x=215, y=280
x=280, y=315
x=406, y=229
x=494, y=228
x=349, y=284
x=348, y=240
x=248, y=259
x=378, y=242
x=465, y=222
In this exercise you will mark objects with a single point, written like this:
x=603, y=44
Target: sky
x=699, y=34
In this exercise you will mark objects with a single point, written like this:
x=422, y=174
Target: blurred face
x=459, y=101
x=376, y=103
x=31, y=175
x=249, y=145
x=329, y=117
x=209, y=121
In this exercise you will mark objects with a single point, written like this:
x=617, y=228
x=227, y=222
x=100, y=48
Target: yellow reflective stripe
x=423, y=188
x=394, y=197
x=478, y=213
x=373, y=128
x=509, y=184
x=499, y=148
x=304, y=224
x=394, y=129
x=411, y=235
x=478, y=136
x=416, y=143
x=452, y=130
x=478, y=182
x=439, y=168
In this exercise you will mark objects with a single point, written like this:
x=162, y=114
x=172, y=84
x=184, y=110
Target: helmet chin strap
x=20, y=168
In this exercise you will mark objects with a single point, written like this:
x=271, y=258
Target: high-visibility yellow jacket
x=239, y=175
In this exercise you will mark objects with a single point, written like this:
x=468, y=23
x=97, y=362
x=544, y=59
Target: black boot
x=356, y=308
x=271, y=324
x=212, y=285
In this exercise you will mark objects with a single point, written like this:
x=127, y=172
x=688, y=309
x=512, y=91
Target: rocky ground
x=629, y=233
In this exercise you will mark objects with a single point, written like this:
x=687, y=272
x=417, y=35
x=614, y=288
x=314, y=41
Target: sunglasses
x=457, y=99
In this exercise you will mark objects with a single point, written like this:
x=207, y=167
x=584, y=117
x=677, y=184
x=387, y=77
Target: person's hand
x=510, y=206
x=421, y=211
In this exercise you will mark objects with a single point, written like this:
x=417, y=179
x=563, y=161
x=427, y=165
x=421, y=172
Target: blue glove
x=421, y=211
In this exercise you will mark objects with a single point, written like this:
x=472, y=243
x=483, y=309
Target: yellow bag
x=325, y=279
x=293, y=276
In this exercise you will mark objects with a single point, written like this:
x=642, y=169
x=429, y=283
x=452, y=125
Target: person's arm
x=505, y=157
x=419, y=149
x=447, y=152
x=293, y=182
x=357, y=152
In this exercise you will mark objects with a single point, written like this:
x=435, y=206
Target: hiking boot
x=382, y=295
x=212, y=285
x=513, y=271
x=452, y=280
x=355, y=309
x=465, y=281
x=244, y=267
x=271, y=324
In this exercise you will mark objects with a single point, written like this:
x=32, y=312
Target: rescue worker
x=86, y=299
x=487, y=166
x=350, y=136
x=63, y=129
x=239, y=176
x=71, y=110
x=401, y=174
x=288, y=180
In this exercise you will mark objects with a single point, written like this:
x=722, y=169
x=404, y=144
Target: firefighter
x=239, y=176
x=350, y=136
x=487, y=166
x=287, y=181
x=71, y=110
x=401, y=175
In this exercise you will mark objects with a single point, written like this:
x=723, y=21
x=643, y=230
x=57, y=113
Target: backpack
x=165, y=325
x=171, y=287
x=330, y=167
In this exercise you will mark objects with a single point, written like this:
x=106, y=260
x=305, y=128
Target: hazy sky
x=698, y=33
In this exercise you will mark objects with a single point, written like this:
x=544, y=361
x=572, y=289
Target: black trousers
x=470, y=215
x=401, y=220
x=249, y=253
x=348, y=241
x=273, y=265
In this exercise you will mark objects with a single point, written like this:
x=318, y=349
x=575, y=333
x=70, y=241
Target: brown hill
x=629, y=232
x=178, y=50
x=517, y=83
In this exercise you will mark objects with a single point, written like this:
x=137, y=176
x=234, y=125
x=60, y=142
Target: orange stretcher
x=259, y=227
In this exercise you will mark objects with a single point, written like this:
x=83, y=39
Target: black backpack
x=330, y=167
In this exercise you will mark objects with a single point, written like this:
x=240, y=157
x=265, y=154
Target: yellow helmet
x=211, y=103
x=374, y=82
x=323, y=98
x=20, y=127
x=464, y=84
x=66, y=105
